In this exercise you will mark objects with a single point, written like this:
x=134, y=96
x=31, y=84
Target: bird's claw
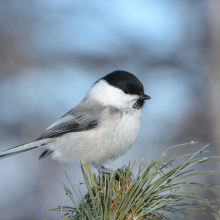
x=101, y=169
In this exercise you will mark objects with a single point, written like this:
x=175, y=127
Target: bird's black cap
x=125, y=81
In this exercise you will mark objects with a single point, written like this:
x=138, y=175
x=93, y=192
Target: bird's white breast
x=102, y=144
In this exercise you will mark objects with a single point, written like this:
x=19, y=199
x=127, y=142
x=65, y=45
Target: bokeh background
x=51, y=52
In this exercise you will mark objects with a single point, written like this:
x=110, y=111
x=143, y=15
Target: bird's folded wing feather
x=77, y=119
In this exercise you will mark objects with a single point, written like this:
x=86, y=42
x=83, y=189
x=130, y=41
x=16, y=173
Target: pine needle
x=122, y=196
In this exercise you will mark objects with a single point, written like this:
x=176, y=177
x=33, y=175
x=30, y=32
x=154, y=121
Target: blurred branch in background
x=214, y=74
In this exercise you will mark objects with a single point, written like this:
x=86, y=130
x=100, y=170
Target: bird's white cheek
x=108, y=95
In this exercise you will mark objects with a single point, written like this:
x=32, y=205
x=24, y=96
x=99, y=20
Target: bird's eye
x=126, y=91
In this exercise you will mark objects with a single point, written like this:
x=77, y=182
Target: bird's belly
x=101, y=145
x=119, y=139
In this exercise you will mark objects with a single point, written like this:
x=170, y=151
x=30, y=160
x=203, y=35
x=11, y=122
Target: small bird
x=101, y=128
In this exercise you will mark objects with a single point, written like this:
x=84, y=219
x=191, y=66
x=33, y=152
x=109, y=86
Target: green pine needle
x=122, y=196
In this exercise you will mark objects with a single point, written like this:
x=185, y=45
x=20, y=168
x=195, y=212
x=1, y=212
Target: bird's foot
x=101, y=169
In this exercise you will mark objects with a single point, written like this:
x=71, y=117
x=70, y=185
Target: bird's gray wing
x=78, y=119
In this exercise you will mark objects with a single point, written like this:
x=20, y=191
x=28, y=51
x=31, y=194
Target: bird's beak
x=144, y=97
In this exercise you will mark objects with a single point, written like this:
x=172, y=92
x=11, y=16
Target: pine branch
x=122, y=196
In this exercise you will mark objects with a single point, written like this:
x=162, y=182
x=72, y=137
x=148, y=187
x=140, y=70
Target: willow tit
x=101, y=128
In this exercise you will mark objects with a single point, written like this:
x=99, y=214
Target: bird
x=100, y=129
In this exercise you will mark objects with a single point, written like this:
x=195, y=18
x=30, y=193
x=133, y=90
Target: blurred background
x=51, y=52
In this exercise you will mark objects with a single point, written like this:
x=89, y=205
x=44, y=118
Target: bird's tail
x=24, y=147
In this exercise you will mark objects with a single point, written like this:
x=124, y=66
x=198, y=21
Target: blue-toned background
x=51, y=52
